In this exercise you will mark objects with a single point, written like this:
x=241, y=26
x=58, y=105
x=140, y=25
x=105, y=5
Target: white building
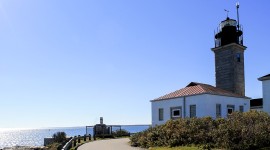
x=200, y=100
x=197, y=100
x=263, y=104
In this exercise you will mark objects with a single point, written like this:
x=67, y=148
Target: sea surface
x=35, y=137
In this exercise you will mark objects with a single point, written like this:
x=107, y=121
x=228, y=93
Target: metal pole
x=237, y=7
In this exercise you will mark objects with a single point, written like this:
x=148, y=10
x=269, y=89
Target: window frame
x=160, y=114
x=241, y=108
x=190, y=111
x=230, y=107
x=175, y=116
x=218, y=111
x=179, y=108
x=238, y=57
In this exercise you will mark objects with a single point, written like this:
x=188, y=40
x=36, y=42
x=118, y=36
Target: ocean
x=35, y=137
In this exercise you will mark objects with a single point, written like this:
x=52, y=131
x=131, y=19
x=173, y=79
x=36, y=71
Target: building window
x=241, y=108
x=230, y=109
x=160, y=114
x=218, y=110
x=176, y=112
x=192, y=111
x=238, y=57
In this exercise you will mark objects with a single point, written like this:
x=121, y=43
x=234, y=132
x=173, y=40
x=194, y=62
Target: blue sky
x=66, y=63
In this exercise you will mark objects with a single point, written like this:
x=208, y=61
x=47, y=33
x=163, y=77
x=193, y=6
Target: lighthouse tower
x=229, y=56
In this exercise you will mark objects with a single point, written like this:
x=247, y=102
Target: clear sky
x=66, y=62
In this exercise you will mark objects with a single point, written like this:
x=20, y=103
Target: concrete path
x=112, y=144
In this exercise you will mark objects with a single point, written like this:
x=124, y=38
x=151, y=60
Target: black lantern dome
x=228, y=32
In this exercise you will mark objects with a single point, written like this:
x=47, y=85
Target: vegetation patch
x=120, y=133
x=174, y=148
x=240, y=131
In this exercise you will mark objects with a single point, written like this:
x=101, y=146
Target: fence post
x=74, y=141
x=89, y=137
x=79, y=139
x=84, y=137
x=120, y=132
x=70, y=145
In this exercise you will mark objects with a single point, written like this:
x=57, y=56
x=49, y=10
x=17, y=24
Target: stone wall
x=229, y=71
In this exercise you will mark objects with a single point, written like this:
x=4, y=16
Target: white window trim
x=173, y=110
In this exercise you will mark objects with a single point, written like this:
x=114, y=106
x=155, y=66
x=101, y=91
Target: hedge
x=240, y=131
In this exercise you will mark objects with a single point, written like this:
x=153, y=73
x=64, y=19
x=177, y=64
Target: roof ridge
x=203, y=87
x=198, y=88
x=195, y=84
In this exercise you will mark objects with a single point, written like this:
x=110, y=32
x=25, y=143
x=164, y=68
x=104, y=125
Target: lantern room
x=228, y=32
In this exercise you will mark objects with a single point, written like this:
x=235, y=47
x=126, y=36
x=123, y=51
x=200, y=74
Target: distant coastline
x=35, y=137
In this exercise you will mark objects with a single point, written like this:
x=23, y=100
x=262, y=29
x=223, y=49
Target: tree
x=59, y=137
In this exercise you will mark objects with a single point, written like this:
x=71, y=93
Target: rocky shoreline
x=25, y=148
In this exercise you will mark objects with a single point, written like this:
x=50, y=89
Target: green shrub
x=250, y=130
x=119, y=133
x=59, y=137
x=244, y=131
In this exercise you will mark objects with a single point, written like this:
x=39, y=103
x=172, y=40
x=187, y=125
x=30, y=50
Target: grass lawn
x=175, y=148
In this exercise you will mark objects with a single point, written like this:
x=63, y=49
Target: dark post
x=103, y=130
x=94, y=133
x=70, y=145
x=89, y=137
x=74, y=141
x=84, y=137
x=79, y=139
x=120, y=132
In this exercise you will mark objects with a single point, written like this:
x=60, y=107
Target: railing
x=76, y=140
x=110, y=129
x=73, y=141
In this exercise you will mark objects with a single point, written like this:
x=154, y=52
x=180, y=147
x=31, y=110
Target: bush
x=59, y=137
x=242, y=131
x=119, y=133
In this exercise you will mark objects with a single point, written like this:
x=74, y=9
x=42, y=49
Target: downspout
x=184, y=107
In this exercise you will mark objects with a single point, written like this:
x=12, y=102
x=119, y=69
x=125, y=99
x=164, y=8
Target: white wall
x=212, y=100
x=205, y=106
x=166, y=105
x=266, y=95
x=256, y=109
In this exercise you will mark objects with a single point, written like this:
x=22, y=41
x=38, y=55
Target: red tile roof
x=198, y=88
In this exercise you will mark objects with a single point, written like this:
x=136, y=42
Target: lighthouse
x=229, y=56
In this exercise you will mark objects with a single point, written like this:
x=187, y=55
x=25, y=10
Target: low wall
x=48, y=141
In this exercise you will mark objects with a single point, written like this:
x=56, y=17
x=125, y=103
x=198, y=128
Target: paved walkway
x=113, y=144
